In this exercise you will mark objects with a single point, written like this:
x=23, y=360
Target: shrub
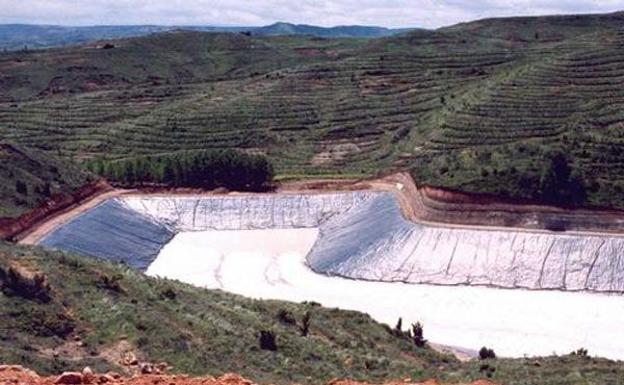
x=286, y=317
x=169, y=294
x=47, y=323
x=268, y=340
x=486, y=354
x=582, y=352
x=305, y=324
x=487, y=370
x=21, y=188
x=418, y=335
x=111, y=283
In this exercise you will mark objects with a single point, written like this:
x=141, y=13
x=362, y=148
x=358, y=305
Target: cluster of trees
x=537, y=173
x=559, y=184
x=201, y=169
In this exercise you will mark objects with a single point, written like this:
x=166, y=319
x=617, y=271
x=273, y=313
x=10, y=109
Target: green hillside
x=483, y=106
x=60, y=312
x=111, y=309
x=29, y=178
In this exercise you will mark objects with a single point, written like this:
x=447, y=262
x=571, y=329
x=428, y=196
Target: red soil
x=10, y=228
x=17, y=375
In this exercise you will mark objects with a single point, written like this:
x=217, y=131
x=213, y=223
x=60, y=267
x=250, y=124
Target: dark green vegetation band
x=207, y=169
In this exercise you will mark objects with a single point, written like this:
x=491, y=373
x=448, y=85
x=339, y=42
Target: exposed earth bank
x=423, y=204
x=19, y=375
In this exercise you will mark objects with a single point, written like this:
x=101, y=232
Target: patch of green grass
x=201, y=331
x=197, y=331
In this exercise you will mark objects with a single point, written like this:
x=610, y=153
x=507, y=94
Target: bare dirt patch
x=20, y=375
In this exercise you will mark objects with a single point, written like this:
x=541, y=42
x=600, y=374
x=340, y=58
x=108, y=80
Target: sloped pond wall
x=362, y=236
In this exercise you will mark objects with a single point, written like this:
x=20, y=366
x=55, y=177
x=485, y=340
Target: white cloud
x=391, y=13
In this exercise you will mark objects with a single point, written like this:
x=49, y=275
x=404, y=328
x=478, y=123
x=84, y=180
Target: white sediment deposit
x=270, y=264
x=362, y=235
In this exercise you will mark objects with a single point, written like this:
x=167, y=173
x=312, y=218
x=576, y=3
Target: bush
x=286, y=317
x=486, y=354
x=111, y=283
x=305, y=324
x=15, y=283
x=21, y=188
x=487, y=370
x=582, y=352
x=418, y=335
x=268, y=340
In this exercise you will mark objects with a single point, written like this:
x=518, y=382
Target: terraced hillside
x=487, y=106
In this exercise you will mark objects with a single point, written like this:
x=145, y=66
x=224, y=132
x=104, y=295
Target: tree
x=559, y=184
x=398, y=329
x=201, y=169
x=486, y=354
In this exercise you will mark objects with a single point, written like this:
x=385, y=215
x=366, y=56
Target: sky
x=388, y=13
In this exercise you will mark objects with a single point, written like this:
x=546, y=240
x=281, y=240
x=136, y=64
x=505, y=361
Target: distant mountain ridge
x=328, y=32
x=20, y=36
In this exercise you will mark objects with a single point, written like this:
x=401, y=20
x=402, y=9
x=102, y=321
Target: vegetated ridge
x=28, y=36
x=522, y=107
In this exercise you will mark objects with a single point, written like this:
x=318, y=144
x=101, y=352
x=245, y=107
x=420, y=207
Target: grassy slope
x=29, y=178
x=476, y=106
x=211, y=332
x=195, y=330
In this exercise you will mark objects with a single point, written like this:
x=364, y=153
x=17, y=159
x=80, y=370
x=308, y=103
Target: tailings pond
x=518, y=292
